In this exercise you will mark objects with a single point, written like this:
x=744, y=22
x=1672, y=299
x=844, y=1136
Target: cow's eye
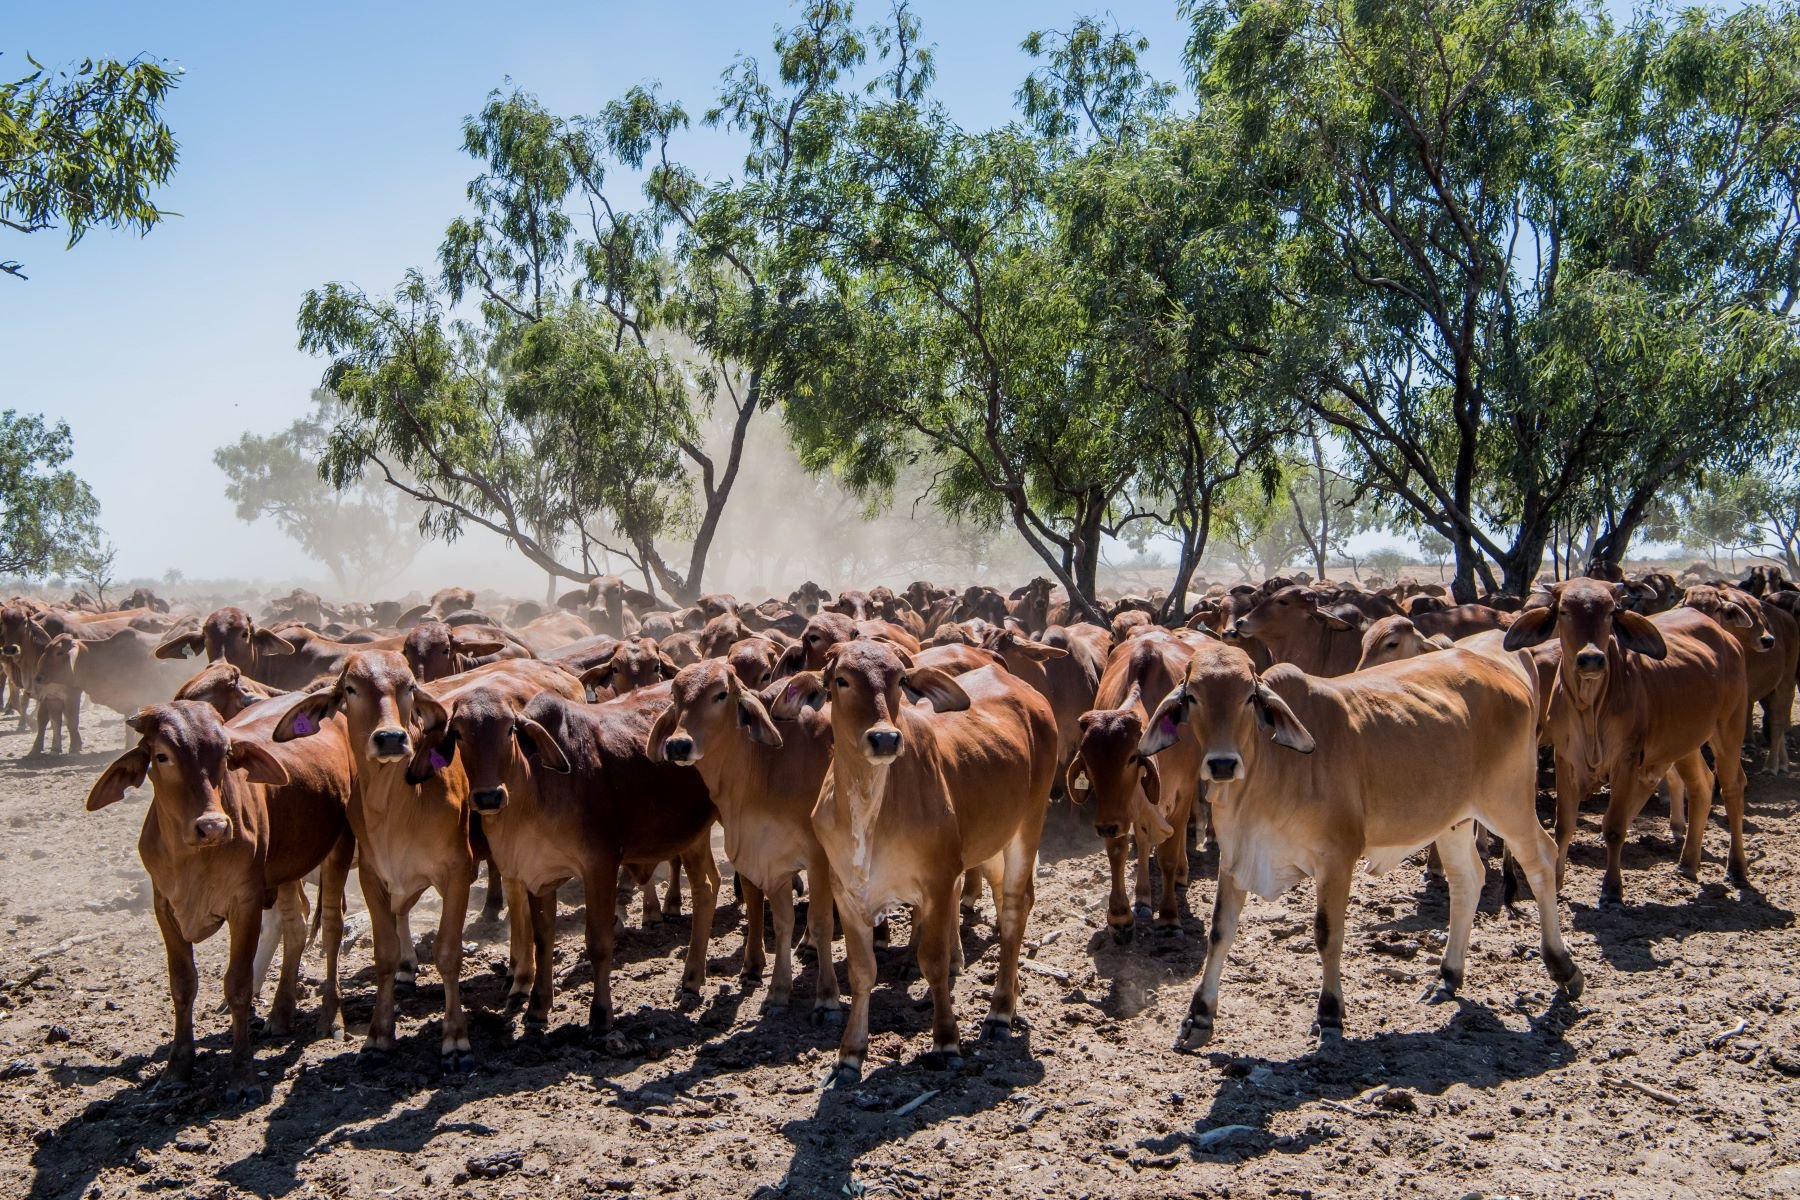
x=719, y=699
x=161, y=757
x=841, y=682
x=812, y=637
x=348, y=690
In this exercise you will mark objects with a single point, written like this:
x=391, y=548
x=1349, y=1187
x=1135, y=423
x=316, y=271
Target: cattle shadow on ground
x=849, y=1122
x=1475, y=1048
x=45, y=761
x=1624, y=934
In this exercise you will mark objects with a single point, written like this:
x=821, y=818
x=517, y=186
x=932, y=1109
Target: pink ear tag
x=304, y=724
x=1167, y=725
x=437, y=760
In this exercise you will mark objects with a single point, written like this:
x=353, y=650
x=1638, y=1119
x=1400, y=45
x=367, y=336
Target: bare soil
x=1676, y=1074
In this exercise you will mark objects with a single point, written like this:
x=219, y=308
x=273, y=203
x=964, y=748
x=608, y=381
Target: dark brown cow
x=1770, y=639
x=1636, y=696
x=218, y=853
x=434, y=650
x=915, y=798
x=809, y=599
x=1460, y=621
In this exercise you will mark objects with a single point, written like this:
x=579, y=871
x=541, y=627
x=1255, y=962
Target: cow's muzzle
x=390, y=745
x=883, y=744
x=10, y=650
x=211, y=829
x=1590, y=661
x=489, y=800
x=1224, y=768
x=680, y=751
x=1766, y=641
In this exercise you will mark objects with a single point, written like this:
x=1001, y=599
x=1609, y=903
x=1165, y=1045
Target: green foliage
x=47, y=514
x=361, y=534
x=84, y=147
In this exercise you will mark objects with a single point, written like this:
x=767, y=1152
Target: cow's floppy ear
x=1638, y=632
x=478, y=647
x=594, y=678
x=181, y=645
x=1165, y=722
x=143, y=721
x=666, y=665
x=755, y=720
x=1146, y=810
x=550, y=753
x=257, y=762
x=1332, y=620
x=412, y=616
x=1283, y=727
x=1439, y=641
x=1736, y=615
x=791, y=661
x=433, y=751
x=270, y=642
x=126, y=772
x=660, y=729
x=1075, y=780
x=945, y=694
x=1531, y=627
x=786, y=697
x=1036, y=651
x=311, y=711
x=430, y=710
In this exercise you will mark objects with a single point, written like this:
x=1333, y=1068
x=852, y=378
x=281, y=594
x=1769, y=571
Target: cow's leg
x=332, y=874
x=542, y=907
x=1463, y=870
x=245, y=923
x=937, y=929
x=672, y=897
x=1778, y=709
x=859, y=952
x=781, y=912
x=1119, y=916
x=386, y=928
x=43, y=722
x=1143, y=893
x=755, y=960
x=1629, y=794
x=496, y=896
x=456, y=1052
x=1731, y=786
x=1333, y=903
x=1017, y=894
x=1228, y=903
x=521, y=938
x=1697, y=786
x=819, y=923
x=970, y=904
x=601, y=886
x=72, y=714
x=271, y=937
x=184, y=982
x=1572, y=786
x=1172, y=857
x=1678, y=793
x=703, y=881
x=645, y=879
x=290, y=905
x=406, y=975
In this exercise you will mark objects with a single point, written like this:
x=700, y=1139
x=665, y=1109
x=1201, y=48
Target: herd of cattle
x=895, y=748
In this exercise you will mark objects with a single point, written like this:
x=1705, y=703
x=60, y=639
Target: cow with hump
x=915, y=797
x=218, y=852
x=1306, y=775
x=1636, y=696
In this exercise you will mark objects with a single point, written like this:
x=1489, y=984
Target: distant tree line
x=1496, y=274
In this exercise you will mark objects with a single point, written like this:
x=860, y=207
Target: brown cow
x=1133, y=794
x=1293, y=628
x=553, y=631
x=229, y=634
x=120, y=672
x=412, y=832
x=1406, y=754
x=914, y=798
x=218, y=852
x=434, y=650
x=1636, y=696
x=764, y=779
x=1459, y=621
x=828, y=630
x=1391, y=639
x=1770, y=639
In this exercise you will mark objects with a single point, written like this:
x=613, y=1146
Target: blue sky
x=321, y=142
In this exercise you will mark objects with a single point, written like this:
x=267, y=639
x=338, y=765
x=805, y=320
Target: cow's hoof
x=244, y=1093
x=372, y=1058
x=458, y=1062
x=516, y=1001
x=843, y=1075
x=1612, y=896
x=942, y=1060
x=749, y=978
x=1573, y=985
x=828, y=1016
x=1193, y=1035
x=537, y=1022
x=1141, y=912
x=1691, y=874
x=1328, y=1035
x=172, y=1083
x=1171, y=931
x=1438, y=993
x=1124, y=934
x=996, y=1029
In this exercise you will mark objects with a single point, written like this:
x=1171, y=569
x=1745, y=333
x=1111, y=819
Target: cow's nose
x=489, y=800
x=678, y=749
x=1222, y=767
x=211, y=828
x=10, y=650
x=1767, y=641
x=1107, y=829
x=1590, y=660
x=1237, y=626
x=884, y=743
x=390, y=742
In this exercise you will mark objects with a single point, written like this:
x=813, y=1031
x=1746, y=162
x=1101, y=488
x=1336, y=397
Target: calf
x=1307, y=775
x=218, y=852
x=1634, y=697
x=1293, y=628
x=1133, y=794
x=1391, y=639
x=120, y=672
x=764, y=780
x=412, y=829
x=914, y=798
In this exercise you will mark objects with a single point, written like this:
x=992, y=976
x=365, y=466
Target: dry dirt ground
x=1676, y=1074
